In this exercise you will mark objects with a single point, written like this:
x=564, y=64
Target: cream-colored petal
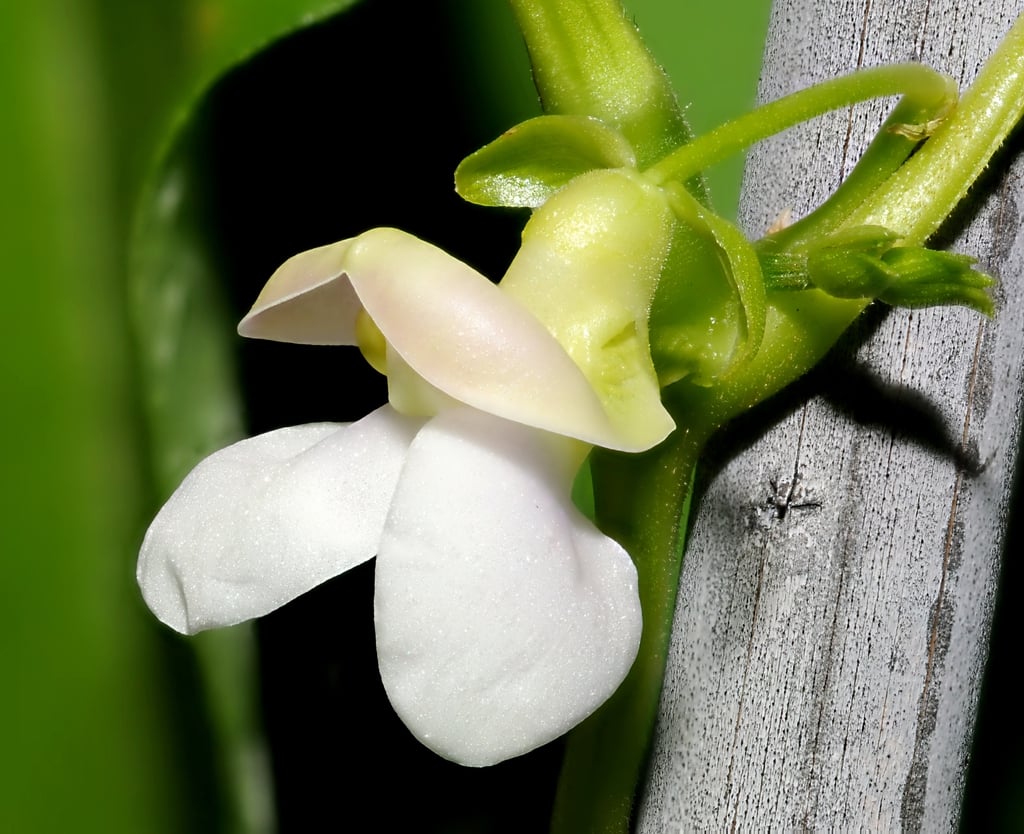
x=260, y=522
x=452, y=327
x=503, y=616
x=470, y=340
x=307, y=301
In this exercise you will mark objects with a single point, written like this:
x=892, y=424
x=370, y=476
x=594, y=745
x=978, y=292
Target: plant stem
x=930, y=91
x=924, y=192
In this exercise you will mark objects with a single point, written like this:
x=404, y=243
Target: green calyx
x=616, y=265
x=711, y=301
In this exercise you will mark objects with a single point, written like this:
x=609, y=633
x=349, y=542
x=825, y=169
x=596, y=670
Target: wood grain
x=837, y=594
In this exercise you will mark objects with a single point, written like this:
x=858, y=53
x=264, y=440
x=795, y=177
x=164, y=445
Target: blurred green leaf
x=88, y=739
x=101, y=727
x=185, y=335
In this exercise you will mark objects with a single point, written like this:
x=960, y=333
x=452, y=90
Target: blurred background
x=142, y=206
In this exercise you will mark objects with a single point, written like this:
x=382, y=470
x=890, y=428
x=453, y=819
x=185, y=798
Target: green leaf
x=185, y=332
x=221, y=34
x=526, y=165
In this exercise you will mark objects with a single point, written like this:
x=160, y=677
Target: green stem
x=887, y=152
x=927, y=90
x=643, y=502
x=924, y=192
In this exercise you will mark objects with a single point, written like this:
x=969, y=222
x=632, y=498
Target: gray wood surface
x=836, y=598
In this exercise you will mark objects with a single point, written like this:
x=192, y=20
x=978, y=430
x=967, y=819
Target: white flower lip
x=503, y=616
x=453, y=327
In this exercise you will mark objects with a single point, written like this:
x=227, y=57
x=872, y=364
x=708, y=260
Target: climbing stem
x=930, y=91
x=924, y=192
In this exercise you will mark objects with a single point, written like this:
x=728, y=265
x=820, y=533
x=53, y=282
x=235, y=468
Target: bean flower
x=503, y=615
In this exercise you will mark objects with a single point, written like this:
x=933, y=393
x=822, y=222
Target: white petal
x=503, y=616
x=260, y=522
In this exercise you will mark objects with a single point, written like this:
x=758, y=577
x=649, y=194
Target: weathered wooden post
x=837, y=594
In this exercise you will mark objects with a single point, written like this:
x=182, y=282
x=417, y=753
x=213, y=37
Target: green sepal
x=868, y=262
x=708, y=315
x=524, y=166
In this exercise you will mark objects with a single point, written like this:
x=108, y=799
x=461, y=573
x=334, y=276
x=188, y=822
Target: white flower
x=503, y=616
